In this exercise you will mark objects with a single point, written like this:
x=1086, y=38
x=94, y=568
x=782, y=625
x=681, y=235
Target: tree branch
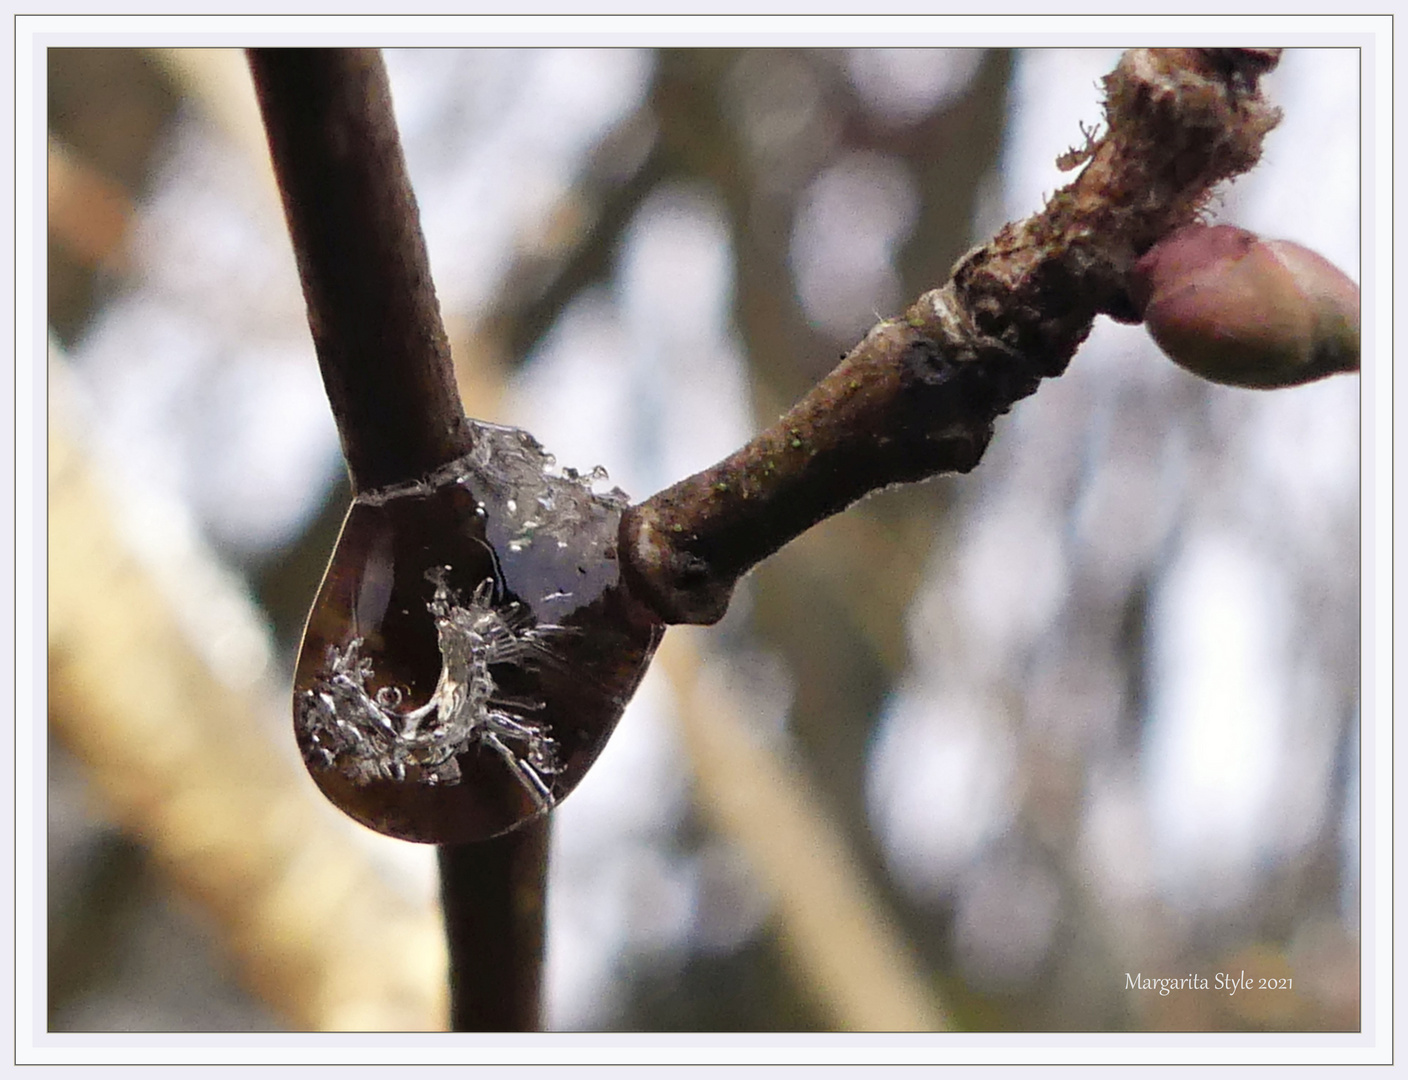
x=361, y=256
x=918, y=396
x=493, y=894
x=386, y=365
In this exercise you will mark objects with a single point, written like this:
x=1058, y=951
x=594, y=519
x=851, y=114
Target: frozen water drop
x=471, y=684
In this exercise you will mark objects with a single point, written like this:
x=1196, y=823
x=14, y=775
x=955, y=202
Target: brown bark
x=918, y=396
x=386, y=365
x=361, y=256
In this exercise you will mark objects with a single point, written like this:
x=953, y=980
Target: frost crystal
x=536, y=500
x=368, y=738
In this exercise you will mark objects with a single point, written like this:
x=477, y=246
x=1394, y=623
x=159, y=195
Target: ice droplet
x=457, y=679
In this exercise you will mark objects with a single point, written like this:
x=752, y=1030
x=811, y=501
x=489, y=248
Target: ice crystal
x=370, y=737
x=472, y=644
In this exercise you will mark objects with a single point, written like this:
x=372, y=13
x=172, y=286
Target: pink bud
x=1239, y=310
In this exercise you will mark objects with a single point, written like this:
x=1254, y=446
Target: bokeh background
x=1003, y=740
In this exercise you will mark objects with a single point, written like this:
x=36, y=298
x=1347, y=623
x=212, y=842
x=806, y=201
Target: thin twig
x=918, y=396
x=386, y=365
x=492, y=893
x=361, y=256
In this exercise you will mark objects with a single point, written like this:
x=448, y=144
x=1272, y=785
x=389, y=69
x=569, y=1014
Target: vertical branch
x=386, y=365
x=492, y=893
x=361, y=256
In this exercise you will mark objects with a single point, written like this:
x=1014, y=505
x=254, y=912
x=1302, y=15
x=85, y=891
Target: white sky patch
x=850, y=224
x=939, y=784
x=1216, y=719
x=569, y=393
x=675, y=288
x=205, y=370
x=903, y=86
x=493, y=139
x=645, y=376
x=1010, y=575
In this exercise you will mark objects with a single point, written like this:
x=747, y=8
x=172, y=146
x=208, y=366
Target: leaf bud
x=1236, y=309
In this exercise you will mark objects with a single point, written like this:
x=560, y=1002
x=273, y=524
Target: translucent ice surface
x=471, y=647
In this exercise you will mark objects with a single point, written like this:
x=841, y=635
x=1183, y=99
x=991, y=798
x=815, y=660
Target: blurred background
x=969, y=754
